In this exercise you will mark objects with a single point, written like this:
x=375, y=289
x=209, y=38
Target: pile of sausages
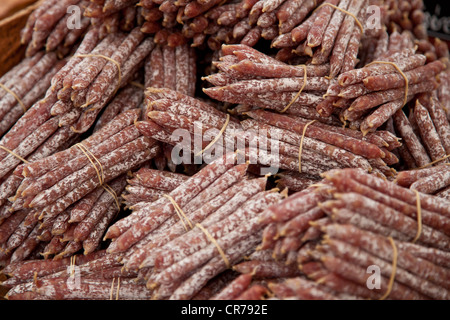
x=344, y=225
x=237, y=150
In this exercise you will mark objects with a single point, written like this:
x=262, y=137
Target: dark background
x=438, y=18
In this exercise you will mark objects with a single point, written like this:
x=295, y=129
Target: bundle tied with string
x=24, y=108
x=305, y=81
x=368, y=128
x=405, y=101
x=181, y=215
x=72, y=265
x=112, y=289
x=99, y=170
x=252, y=83
x=360, y=25
x=186, y=221
x=394, y=269
x=211, y=238
x=14, y=154
x=301, y=145
x=119, y=79
x=220, y=134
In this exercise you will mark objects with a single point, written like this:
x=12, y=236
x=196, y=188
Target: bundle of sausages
x=205, y=149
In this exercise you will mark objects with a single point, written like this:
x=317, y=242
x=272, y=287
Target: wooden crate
x=12, y=51
x=9, y=7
